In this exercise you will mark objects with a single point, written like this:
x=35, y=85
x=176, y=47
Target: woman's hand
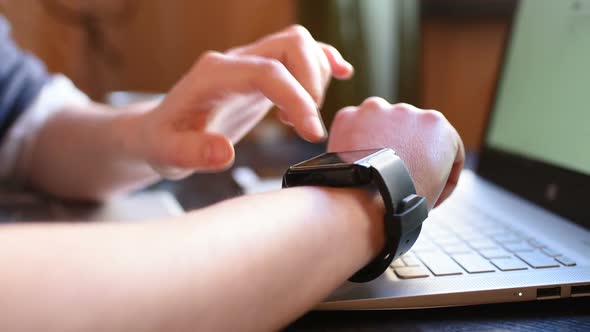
x=226, y=94
x=429, y=145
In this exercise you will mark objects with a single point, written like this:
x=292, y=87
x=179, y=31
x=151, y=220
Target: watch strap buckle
x=413, y=211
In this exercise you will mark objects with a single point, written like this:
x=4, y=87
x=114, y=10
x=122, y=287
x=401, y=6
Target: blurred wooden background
x=150, y=47
x=155, y=42
x=462, y=45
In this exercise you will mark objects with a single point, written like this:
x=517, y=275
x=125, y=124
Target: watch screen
x=337, y=158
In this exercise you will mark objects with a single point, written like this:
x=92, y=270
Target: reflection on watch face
x=337, y=158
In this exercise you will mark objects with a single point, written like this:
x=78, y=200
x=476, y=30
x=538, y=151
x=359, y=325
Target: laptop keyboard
x=469, y=241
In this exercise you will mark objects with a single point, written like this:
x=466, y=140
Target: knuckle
x=433, y=116
x=329, y=47
x=299, y=35
x=345, y=113
x=403, y=107
x=298, y=30
x=236, y=50
x=375, y=103
x=210, y=57
x=270, y=67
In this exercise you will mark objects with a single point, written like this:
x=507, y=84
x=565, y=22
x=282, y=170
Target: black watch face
x=335, y=159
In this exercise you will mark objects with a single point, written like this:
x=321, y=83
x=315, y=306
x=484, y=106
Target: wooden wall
x=150, y=49
x=459, y=66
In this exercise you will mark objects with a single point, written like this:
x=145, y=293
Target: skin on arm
x=97, y=152
x=250, y=263
x=206, y=271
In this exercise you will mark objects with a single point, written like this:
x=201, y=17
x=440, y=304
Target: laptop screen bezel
x=554, y=188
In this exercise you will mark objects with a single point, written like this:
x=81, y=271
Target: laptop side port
x=581, y=290
x=548, y=293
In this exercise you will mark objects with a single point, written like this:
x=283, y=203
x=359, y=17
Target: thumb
x=182, y=153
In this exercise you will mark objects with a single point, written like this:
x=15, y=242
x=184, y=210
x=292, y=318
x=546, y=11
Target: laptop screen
x=538, y=138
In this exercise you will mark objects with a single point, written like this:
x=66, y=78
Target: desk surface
x=567, y=315
x=552, y=315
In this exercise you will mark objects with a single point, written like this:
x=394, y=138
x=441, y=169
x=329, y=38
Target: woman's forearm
x=82, y=153
x=251, y=263
x=287, y=251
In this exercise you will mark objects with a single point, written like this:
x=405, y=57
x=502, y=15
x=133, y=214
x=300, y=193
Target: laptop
x=518, y=228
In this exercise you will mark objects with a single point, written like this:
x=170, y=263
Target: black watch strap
x=395, y=246
x=404, y=212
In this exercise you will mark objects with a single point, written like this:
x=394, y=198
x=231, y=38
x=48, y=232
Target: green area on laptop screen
x=542, y=110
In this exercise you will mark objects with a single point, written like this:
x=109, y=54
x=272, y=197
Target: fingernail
x=324, y=130
x=316, y=127
x=321, y=121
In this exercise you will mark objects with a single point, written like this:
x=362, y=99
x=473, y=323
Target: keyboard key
x=411, y=272
x=440, y=264
x=490, y=230
x=447, y=240
x=536, y=244
x=411, y=261
x=471, y=235
x=460, y=248
x=438, y=233
x=565, y=261
x=509, y=264
x=473, y=263
x=494, y=231
x=537, y=260
x=459, y=226
x=495, y=253
x=518, y=247
x=507, y=238
x=424, y=246
x=483, y=244
x=425, y=249
x=398, y=263
x=550, y=252
x=423, y=237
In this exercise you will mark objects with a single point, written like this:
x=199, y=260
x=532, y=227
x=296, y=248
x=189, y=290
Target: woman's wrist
x=369, y=229
x=130, y=128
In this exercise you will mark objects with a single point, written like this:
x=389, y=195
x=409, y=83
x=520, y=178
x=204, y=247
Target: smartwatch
x=378, y=168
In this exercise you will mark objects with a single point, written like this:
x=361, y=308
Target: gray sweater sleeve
x=21, y=78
